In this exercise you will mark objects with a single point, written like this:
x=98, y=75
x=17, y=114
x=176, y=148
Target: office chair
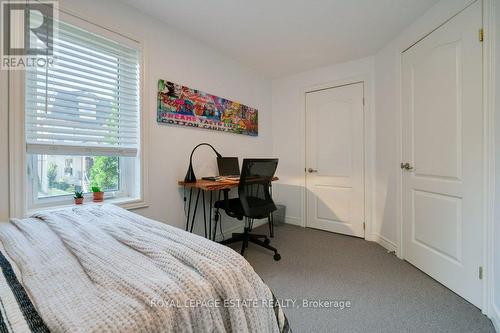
x=254, y=202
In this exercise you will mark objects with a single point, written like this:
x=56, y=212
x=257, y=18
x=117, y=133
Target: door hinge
x=364, y=225
x=481, y=34
x=480, y=272
x=363, y=101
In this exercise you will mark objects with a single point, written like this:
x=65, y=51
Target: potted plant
x=98, y=195
x=78, y=197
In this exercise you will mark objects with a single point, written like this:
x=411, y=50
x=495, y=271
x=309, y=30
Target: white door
x=334, y=159
x=443, y=143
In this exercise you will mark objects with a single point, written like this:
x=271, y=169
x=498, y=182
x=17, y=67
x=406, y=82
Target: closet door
x=443, y=154
x=335, y=183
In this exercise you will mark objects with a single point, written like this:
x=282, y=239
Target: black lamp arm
x=190, y=176
x=203, y=144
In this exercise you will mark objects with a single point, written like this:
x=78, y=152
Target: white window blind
x=88, y=102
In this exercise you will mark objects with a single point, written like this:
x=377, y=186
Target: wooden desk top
x=211, y=185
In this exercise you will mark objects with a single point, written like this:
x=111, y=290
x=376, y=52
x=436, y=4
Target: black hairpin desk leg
x=195, y=208
x=204, y=212
x=210, y=217
x=189, y=208
x=209, y=231
x=271, y=216
x=217, y=218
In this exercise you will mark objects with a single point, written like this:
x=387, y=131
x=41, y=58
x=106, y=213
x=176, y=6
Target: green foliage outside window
x=104, y=172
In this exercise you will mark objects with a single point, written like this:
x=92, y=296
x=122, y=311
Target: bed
x=105, y=269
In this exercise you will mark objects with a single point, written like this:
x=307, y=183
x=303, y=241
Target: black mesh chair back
x=253, y=190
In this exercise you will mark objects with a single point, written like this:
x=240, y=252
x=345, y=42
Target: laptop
x=228, y=167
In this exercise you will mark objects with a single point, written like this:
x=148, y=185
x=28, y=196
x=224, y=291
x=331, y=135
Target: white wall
x=174, y=56
x=4, y=161
x=385, y=68
x=387, y=109
x=387, y=92
x=288, y=106
x=171, y=55
x=288, y=126
x=496, y=252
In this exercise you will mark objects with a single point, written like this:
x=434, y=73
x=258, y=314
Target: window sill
x=125, y=203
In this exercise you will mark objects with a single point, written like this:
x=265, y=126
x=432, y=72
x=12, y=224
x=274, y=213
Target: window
x=82, y=121
x=68, y=169
x=79, y=173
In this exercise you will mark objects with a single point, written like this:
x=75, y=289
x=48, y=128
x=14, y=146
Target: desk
x=207, y=186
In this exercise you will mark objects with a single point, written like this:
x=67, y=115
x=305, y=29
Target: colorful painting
x=183, y=106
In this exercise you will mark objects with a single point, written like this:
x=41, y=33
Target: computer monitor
x=228, y=166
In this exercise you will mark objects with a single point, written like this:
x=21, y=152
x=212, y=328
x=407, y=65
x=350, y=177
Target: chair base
x=246, y=237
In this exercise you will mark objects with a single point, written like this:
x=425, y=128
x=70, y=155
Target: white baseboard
x=237, y=228
x=382, y=241
x=293, y=220
x=495, y=317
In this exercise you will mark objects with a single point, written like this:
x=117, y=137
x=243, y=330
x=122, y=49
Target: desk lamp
x=190, y=177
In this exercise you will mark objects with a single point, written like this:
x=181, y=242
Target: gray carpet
x=387, y=294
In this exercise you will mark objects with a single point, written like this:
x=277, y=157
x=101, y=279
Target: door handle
x=406, y=166
x=311, y=170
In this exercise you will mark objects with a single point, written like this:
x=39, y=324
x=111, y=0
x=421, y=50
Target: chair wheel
x=267, y=241
x=277, y=257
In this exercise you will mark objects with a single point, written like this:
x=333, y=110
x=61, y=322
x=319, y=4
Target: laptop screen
x=228, y=166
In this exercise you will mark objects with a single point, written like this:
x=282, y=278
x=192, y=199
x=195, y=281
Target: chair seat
x=234, y=207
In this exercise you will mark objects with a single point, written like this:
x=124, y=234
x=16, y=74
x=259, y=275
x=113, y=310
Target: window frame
x=22, y=201
x=127, y=187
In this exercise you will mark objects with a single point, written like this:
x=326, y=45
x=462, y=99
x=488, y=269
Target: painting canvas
x=183, y=106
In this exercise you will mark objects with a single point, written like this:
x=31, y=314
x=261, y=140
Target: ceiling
x=283, y=37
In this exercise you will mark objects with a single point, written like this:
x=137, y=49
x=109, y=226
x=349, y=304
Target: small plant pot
x=78, y=201
x=98, y=196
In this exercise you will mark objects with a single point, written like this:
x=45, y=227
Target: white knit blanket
x=104, y=269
